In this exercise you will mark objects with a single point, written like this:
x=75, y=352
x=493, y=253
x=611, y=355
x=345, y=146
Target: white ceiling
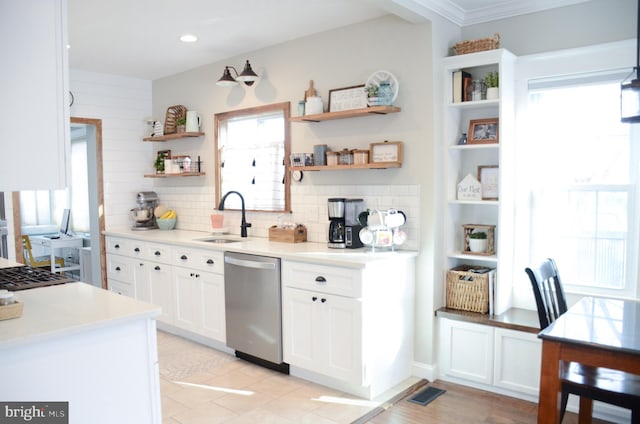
x=141, y=38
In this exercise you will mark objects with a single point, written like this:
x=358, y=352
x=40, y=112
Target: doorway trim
x=17, y=221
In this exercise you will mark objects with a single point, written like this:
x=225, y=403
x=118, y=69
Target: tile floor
x=202, y=385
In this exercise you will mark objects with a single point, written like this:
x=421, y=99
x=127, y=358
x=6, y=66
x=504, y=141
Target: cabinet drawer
x=121, y=288
x=120, y=268
x=200, y=259
x=322, y=278
x=157, y=252
x=126, y=247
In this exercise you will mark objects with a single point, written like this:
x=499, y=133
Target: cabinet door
x=517, y=361
x=34, y=112
x=323, y=333
x=300, y=332
x=186, y=295
x=121, y=287
x=466, y=350
x=342, y=319
x=141, y=280
x=159, y=277
x=212, y=306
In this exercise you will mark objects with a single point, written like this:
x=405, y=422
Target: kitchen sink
x=218, y=240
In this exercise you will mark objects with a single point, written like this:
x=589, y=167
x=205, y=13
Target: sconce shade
x=630, y=98
x=226, y=80
x=248, y=76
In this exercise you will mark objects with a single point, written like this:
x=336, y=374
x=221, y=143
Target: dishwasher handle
x=249, y=264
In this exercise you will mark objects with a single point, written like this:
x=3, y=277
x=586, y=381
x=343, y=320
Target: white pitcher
x=193, y=121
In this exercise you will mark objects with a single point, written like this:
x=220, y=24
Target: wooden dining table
x=599, y=332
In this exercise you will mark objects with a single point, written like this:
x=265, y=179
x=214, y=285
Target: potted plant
x=180, y=124
x=159, y=164
x=372, y=95
x=478, y=242
x=492, y=82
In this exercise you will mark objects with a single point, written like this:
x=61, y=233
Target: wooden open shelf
x=179, y=174
x=374, y=110
x=377, y=165
x=174, y=136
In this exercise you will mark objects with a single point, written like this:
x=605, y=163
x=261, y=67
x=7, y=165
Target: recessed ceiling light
x=188, y=38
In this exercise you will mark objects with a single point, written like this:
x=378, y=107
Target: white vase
x=478, y=245
x=492, y=93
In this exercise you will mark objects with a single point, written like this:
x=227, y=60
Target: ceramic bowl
x=166, y=224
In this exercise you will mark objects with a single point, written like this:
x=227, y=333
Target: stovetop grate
x=25, y=277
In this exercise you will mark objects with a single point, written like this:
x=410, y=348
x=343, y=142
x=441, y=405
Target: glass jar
x=385, y=93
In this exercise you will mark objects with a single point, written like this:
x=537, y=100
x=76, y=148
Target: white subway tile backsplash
x=308, y=203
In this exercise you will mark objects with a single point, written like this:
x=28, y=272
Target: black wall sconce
x=247, y=76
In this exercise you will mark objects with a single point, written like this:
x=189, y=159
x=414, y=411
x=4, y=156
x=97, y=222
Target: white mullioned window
x=578, y=182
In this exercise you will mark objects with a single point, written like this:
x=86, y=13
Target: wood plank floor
x=465, y=405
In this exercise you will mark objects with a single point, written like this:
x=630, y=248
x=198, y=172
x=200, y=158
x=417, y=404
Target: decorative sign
x=488, y=177
x=469, y=189
x=347, y=98
x=388, y=151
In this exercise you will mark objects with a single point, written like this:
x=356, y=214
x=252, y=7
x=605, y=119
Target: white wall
x=123, y=104
x=339, y=58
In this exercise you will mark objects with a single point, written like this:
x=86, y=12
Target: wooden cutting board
x=311, y=91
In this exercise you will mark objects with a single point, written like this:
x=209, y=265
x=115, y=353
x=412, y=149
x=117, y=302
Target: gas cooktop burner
x=25, y=277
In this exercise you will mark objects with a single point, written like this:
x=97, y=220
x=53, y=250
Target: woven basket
x=471, y=46
x=173, y=114
x=467, y=291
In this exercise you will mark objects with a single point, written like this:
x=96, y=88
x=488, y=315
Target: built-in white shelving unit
x=461, y=160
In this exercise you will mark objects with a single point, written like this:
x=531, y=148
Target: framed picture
x=347, y=98
x=488, y=177
x=160, y=157
x=483, y=131
x=388, y=151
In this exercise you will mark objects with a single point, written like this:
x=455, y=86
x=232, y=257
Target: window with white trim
x=578, y=182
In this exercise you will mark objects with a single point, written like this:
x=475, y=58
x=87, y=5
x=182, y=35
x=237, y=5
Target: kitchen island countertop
x=305, y=251
x=67, y=309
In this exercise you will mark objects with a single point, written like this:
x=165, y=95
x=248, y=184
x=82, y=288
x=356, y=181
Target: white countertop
x=66, y=309
x=305, y=251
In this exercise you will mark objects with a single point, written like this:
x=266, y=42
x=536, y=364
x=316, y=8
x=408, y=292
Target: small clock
x=297, y=175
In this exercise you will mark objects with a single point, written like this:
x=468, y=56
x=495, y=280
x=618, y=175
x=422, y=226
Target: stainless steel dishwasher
x=253, y=308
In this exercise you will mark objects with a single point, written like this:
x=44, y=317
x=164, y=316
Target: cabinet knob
x=184, y=257
x=320, y=279
x=157, y=253
x=210, y=261
x=117, y=246
x=157, y=268
x=137, y=249
x=191, y=275
x=323, y=300
x=197, y=275
x=314, y=298
x=117, y=268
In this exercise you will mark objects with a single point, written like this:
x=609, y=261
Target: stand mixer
x=142, y=217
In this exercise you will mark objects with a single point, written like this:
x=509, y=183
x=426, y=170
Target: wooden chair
x=39, y=261
x=590, y=383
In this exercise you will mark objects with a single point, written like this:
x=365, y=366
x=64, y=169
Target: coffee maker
x=336, y=223
x=142, y=217
x=352, y=227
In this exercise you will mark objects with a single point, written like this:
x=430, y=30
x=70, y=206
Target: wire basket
x=472, y=46
x=466, y=290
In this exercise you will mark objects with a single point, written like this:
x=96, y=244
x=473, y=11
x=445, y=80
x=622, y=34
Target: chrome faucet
x=243, y=224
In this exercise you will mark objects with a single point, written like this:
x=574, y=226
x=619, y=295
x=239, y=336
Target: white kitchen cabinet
x=34, y=112
x=466, y=351
x=461, y=160
x=349, y=328
x=517, y=361
x=198, y=284
x=491, y=358
x=323, y=333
